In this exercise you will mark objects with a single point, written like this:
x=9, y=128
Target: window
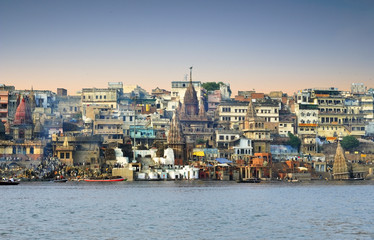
x=62, y=155
x=67, y=155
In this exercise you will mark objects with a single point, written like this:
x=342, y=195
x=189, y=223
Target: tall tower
x=191, y=104
x=176, y=141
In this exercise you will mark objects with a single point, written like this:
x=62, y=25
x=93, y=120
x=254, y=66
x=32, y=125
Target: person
x=11, y=179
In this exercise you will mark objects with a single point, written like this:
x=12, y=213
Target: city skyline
x=261, y=45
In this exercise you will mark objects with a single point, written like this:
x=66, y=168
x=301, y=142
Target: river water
x=187, y=210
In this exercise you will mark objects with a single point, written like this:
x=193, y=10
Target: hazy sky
x=263, y=45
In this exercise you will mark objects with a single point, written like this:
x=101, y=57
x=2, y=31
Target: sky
x=266, y=45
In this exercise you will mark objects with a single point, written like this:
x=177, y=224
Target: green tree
x=211, y=86
x=349, y=142
x=294, y=141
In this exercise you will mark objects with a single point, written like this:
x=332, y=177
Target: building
x=106, y=123
x=337, y=115
x=98, y=96
x=197, y=126
x=78, y=149
x=214, y=99
x=179, y=88
x=4, y=98
x=358, y=88
x=69, y=107
x=254, y=129
x=243, y=150
x=62, y=92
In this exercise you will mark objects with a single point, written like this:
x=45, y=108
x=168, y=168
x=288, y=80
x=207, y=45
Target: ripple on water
x=186, y=210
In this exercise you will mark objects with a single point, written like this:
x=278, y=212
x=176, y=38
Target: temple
x=340, y=167
x=196, y=125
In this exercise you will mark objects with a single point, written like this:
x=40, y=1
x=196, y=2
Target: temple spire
x=340, y=167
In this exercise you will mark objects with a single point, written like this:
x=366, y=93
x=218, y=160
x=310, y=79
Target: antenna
x=191, y=74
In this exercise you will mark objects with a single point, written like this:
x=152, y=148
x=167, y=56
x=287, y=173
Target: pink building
x=214, y=99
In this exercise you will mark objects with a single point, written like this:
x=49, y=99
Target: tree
x=349, y=142
x=67, y=127
x=294, y=141
x=211, y=86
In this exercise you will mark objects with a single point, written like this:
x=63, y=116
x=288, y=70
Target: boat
x=60, y=180
x=105, y=180
x=8, y=183
x=293, y=180
x=249, y=180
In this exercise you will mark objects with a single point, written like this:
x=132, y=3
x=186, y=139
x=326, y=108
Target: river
x=187, y=210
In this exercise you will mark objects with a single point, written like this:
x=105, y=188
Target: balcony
x=109, y=131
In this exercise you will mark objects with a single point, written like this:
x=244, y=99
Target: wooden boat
x=60, y=180
x=293, y=180
x=250, y=180
x=8, y=183
x=105, y=180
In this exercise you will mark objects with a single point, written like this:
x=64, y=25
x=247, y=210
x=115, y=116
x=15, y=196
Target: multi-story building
x=358, y=88
x=227, y=138
x=232, y=114
x=69, y=106
x=106, y=123
x=367, y=107
x=4, y=98
x=243, y=150
x=100, y=97
x=336, y=114
x=254, y=129
x=214, y=99
x=286, y=124
x=268, y=109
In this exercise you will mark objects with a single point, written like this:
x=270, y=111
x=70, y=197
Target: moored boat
x=8, y=183
x=60, y=180
x=249, y=180
x=105, y=180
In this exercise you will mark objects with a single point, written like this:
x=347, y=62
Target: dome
x=23, y=114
